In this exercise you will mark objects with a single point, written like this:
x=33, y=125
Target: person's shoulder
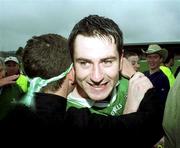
x=19, y=112
x=19, y=117
x=43, y=98
x=10, y=89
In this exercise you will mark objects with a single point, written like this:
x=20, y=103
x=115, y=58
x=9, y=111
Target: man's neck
x=78, y=93
x=151, y=71
x=60, y=92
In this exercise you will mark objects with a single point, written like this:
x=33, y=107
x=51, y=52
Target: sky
x=140, y=20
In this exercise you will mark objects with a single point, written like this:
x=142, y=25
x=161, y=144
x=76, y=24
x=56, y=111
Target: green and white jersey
x=113, y=107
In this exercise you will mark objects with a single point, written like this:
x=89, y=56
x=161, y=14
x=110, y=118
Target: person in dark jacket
x=9, y=90
x=155, y=55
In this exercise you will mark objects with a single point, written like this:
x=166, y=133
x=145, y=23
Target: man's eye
x=108, y=63
x=133, y=63
x=84, y=64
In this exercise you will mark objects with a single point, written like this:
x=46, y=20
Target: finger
x=10, y=82
x=13, y=77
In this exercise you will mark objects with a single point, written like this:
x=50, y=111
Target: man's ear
x=71, y=76
x=121, y=60
x=161, y=59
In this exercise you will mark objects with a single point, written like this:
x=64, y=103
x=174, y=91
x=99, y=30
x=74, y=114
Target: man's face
x=96, y=63
x=12, y=68
x=134, y=60
x=154, y=61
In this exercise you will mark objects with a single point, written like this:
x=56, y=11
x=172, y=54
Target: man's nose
x=97, y=74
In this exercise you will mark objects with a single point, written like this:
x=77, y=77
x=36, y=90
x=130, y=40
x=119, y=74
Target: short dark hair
x=46, y=56
x=128, y=53
x=95, y=25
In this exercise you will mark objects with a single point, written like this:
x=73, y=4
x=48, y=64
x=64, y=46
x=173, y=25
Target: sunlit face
x=154, y=61
x=12, y=68
x=134, y=60
x=96, y=63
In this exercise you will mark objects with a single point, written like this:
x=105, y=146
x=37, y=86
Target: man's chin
x=98, y=98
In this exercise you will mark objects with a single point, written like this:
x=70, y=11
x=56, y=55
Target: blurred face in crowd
x=12, y=68
x=171, y=63
x=96, y=63
x=154, y=61
x=2, y=71
x=134, y=60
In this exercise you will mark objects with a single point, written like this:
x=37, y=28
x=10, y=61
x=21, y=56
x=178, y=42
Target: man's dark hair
x=95, y=25
x=128, y=53
x=46, y=56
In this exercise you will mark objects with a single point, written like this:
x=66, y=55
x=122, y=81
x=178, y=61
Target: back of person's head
x=46, y=56
x=96, y=26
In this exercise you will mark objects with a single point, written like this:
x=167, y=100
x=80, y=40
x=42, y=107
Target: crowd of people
x=89, y=82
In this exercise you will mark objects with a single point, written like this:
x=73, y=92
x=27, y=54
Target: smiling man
x=97, y=71
x=155, y=55
x=133, y=58
x=96, y=45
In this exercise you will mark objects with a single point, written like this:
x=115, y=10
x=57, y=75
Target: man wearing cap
x=5, y=80
x=13, y=68
x=10, y=90
x=155, y=55
x=12, y=65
